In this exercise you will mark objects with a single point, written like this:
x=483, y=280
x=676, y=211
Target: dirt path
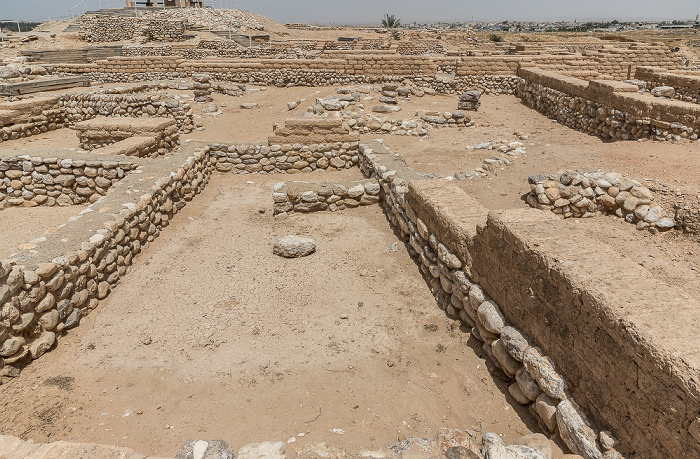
x=211, y=336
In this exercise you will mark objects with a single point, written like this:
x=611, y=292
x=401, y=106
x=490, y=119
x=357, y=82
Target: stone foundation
x=304, y=197
x=586, y=194
x=610, y=110
x=30, y=181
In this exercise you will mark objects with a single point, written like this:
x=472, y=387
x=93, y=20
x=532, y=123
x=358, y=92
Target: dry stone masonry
x=30, y=181
x=608, y=109
x=304, y=197
x=585, y=194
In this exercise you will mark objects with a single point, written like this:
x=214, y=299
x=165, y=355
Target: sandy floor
x=19, y=225
x=212, y=336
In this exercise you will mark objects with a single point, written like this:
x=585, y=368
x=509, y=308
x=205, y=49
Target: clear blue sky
x=369, y=11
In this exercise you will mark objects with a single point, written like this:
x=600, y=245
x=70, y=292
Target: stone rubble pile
x=586, y=194
x=505, y=148
x=19, y=72
x=470, y=100
x=303, y=197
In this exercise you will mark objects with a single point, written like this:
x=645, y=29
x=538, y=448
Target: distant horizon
x=370, y=12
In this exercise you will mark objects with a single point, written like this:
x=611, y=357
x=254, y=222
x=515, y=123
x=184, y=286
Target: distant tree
x=390, y=21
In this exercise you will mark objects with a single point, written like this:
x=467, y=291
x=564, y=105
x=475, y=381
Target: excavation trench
x=212, y=336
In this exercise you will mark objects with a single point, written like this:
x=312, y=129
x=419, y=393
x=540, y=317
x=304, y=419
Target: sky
x=370, y=11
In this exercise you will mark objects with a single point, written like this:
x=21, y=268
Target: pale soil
x=211, y=336
x=51, y=140
x=19, y=225
x=552, y=147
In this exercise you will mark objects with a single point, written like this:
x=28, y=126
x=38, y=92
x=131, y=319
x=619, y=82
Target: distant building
x=175, y=3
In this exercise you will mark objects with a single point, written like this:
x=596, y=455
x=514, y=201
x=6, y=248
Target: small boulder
x=294, y=246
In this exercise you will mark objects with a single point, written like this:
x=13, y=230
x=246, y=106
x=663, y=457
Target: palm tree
x=390, y=21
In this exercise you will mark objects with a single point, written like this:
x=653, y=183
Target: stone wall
x=98, y=28
x=47, y=287
x=608, y=109
x=348, y=67
x=160, y=30
x=304, y=197
x=585, y=194
x=32, y=116
x=102, y=132
x=686, y=87
x=285, y=158
x=559, y=313
x=30, y=181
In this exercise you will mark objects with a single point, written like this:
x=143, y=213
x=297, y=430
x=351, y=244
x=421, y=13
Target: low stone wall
x=304, y=197
x=285, y=158
x=556, y=313
x=585, y=194
x=48, y=286
x=608, y=109
x=36, y=115
x=30, y=181
x=144, y=101
x=687, y=87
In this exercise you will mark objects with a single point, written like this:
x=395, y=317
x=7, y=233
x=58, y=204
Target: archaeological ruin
x=495, y=249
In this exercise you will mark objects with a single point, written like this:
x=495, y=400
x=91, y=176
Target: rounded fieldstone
x=491, y=316
x=294, y=246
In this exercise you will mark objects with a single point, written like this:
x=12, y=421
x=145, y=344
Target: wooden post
x=629, y=72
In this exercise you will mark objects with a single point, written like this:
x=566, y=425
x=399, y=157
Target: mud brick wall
x=629, y=368
x=285, y=158
x=102, y=132
x=687, y=87
x=32, y=116
x=553, y=310
x=46, y=289
x=611, y=110
x=304, y=197
x=30, y=181
x=28, y=117
x=311, y=131
x=437, y=223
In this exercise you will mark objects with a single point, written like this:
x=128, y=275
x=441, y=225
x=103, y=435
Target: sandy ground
x=211, y=336
x=19, y=225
